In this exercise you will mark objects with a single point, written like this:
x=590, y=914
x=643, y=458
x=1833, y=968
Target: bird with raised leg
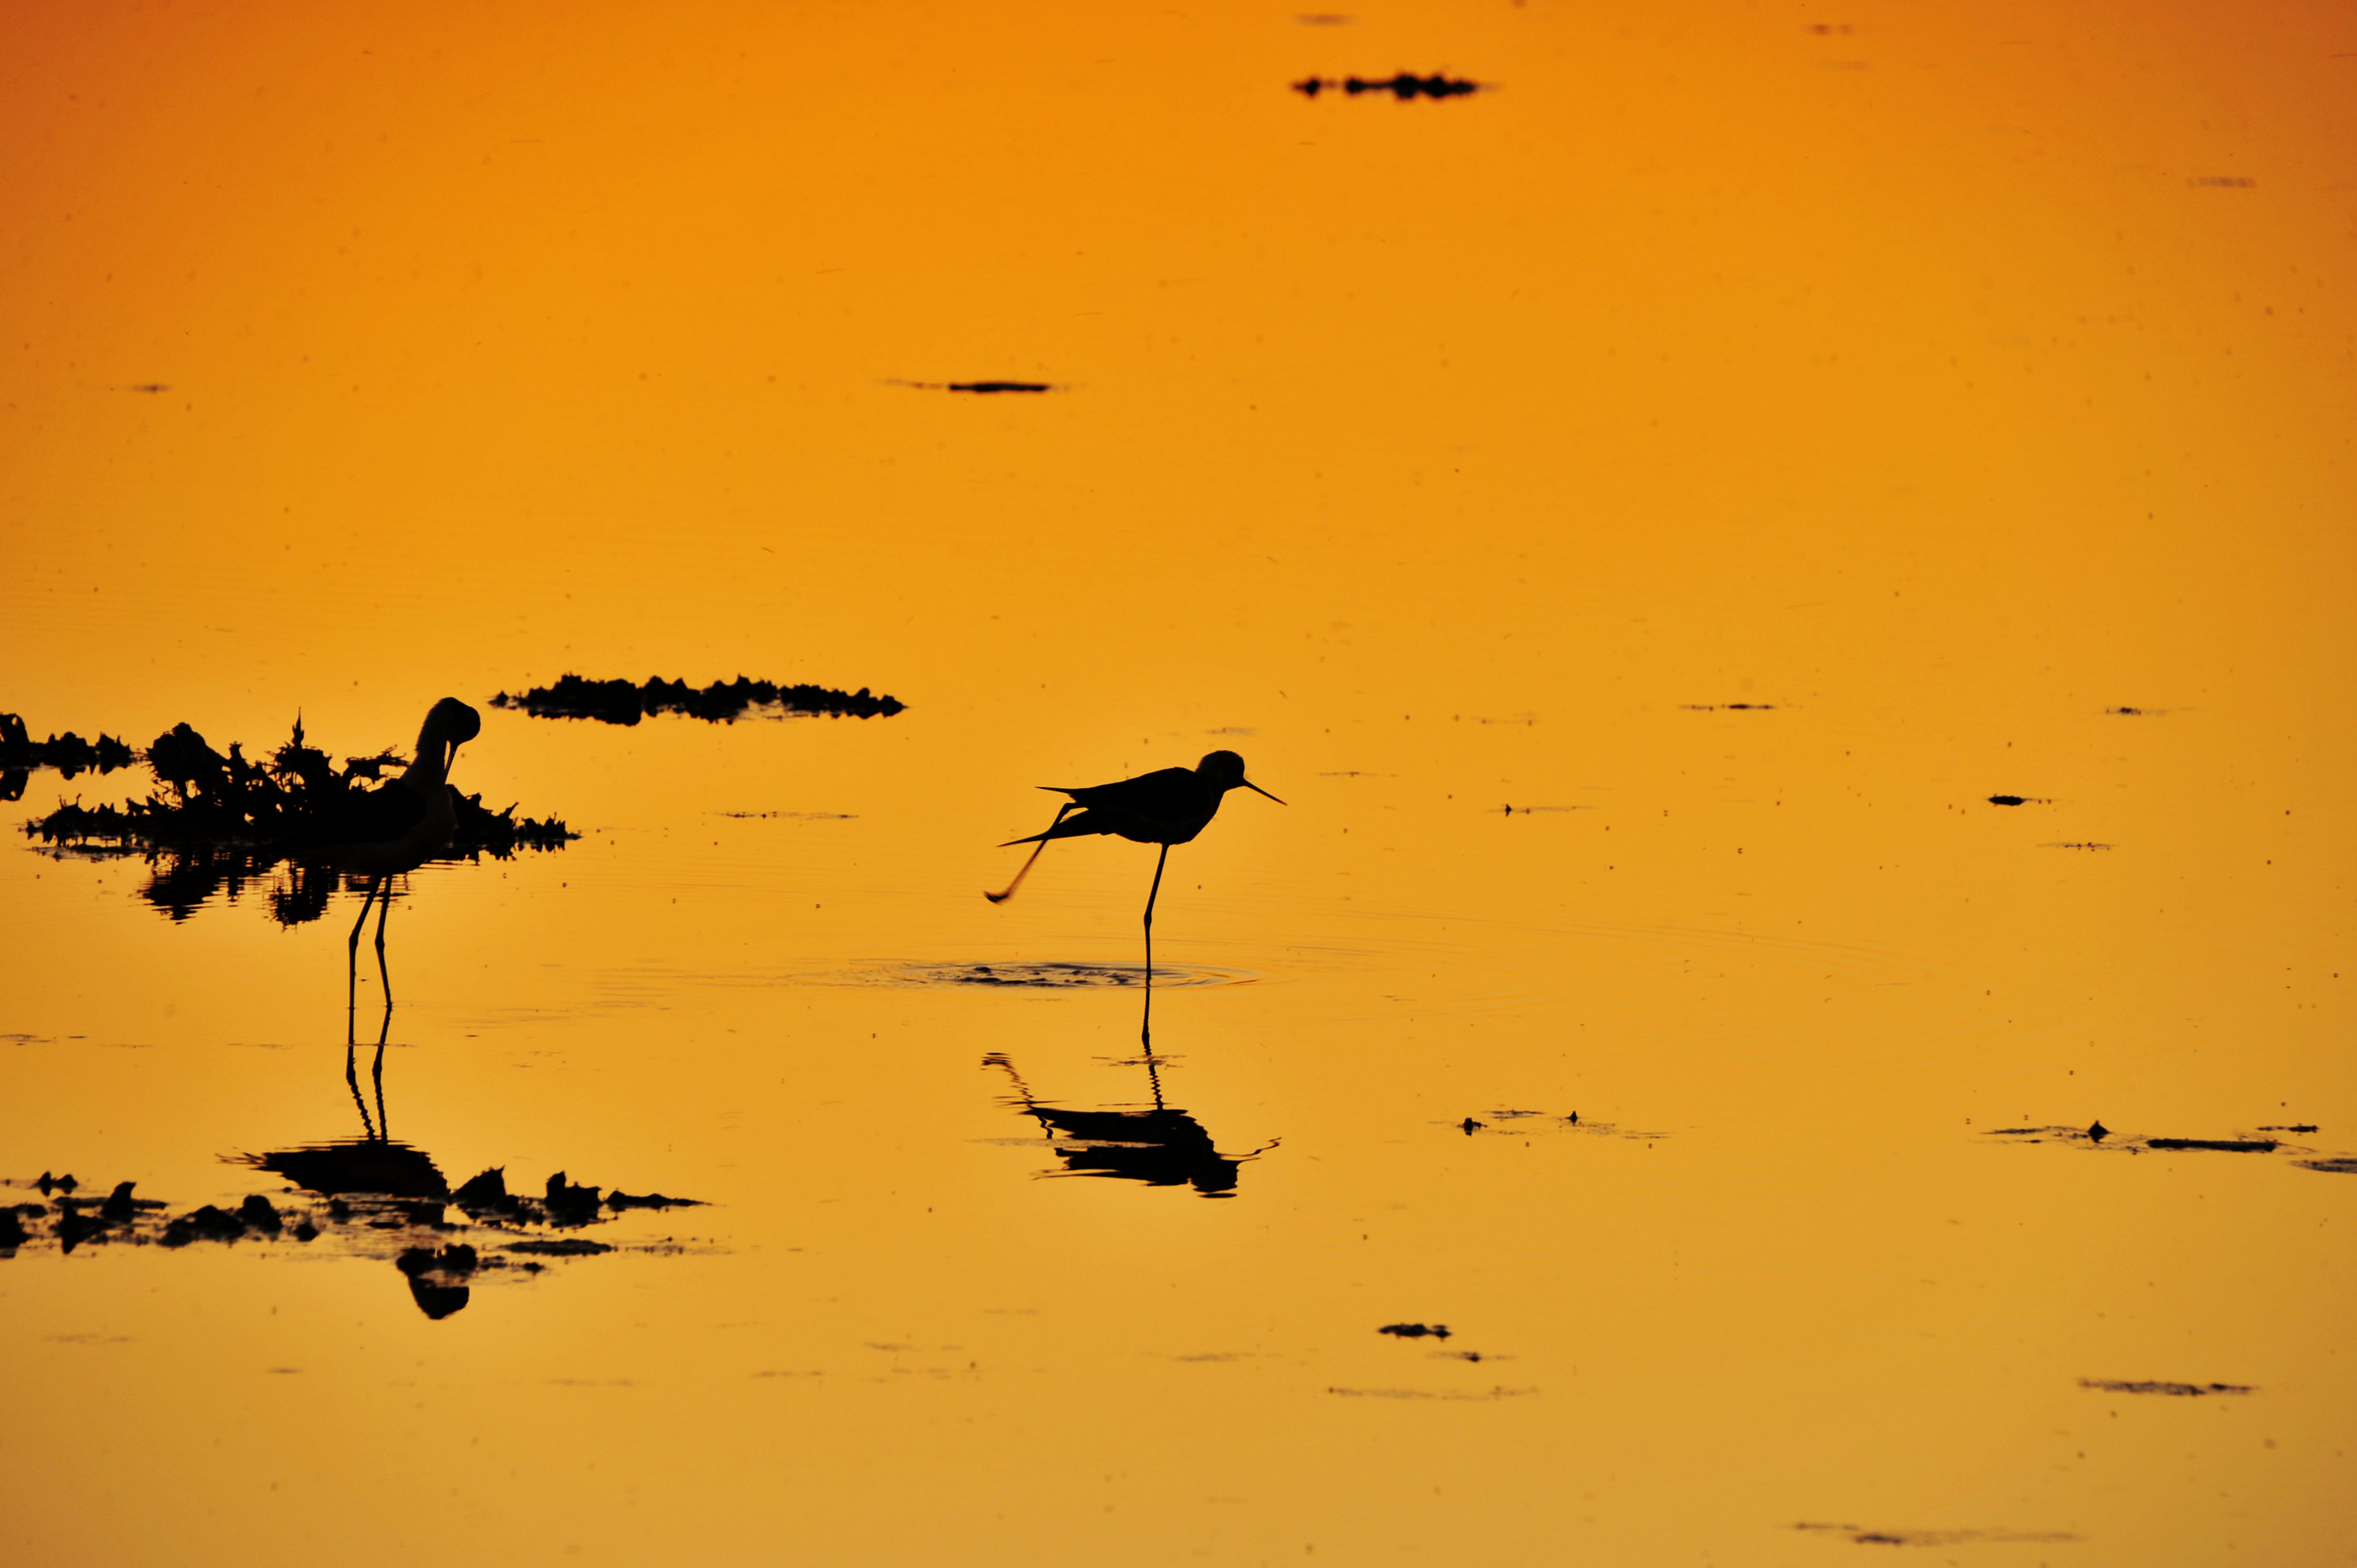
x=1167, y=807
x=394, y=828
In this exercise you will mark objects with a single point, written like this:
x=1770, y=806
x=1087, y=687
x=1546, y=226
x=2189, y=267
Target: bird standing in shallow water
x=394, y=828
x=1168, y=807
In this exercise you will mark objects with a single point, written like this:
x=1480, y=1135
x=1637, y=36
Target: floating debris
x=1524, y=1124
x=208, y=834
x=1728, y=708
x=620, y=702
x=2178, y=1391
x=1403, y=86
x=2083, y=843
x=2100, y=1136
x=2335, y=1165
x=1415, y=1330
x=983, y=387
x=2019, y=800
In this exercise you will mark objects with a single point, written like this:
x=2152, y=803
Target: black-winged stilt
x=394, y=828
x=1168, y=807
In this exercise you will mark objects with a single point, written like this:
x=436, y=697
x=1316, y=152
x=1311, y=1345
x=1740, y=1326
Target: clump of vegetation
x=723, y=702
x=209, y=830
x=68, y=753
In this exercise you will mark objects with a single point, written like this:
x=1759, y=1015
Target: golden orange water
x=1933, y=381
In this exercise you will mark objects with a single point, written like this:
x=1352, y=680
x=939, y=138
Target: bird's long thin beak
x=1258, y=789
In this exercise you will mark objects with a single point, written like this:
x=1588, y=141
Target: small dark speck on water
x=1415, y=1330
x=2015, y=801
x=1470, y=1127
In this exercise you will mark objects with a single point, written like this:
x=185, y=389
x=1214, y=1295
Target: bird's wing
x=1168, y=792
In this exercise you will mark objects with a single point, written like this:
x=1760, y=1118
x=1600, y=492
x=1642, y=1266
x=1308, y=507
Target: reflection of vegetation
x=723, y=702
x=404, y=1225
x=210, y=829
x=384, y=1199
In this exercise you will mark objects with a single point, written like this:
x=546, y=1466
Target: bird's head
x=449, y=725
x=1224, y=770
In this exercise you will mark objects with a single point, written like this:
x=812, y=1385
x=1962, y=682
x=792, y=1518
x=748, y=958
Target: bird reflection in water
x=1163, y=1147
x=374, y=1182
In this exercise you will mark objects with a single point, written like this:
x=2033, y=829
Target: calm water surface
x=1636, y=514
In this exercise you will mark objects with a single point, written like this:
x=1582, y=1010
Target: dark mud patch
x=1864, y=1537
x=2129, y=712
x=2337, y=1164
x=1404, y=86
x=2020, y=800
x=2217, y=1146
x=1415, y=1330
x=723, y=702
x=208, y=831
x=563, y=1247
x=1060, y=976
x=2172, y=1390
x=984, y=389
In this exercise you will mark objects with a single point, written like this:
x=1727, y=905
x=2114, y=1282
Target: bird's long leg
x=376, y=1073
x=1009, y=893
x=353, y=1077
x=1146, y=1029
x=352, y=950
x=1152, y=1067
x=384, y=976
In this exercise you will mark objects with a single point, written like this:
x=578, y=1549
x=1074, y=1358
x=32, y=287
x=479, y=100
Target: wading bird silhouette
x=395, y=828
x=1168, y=807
